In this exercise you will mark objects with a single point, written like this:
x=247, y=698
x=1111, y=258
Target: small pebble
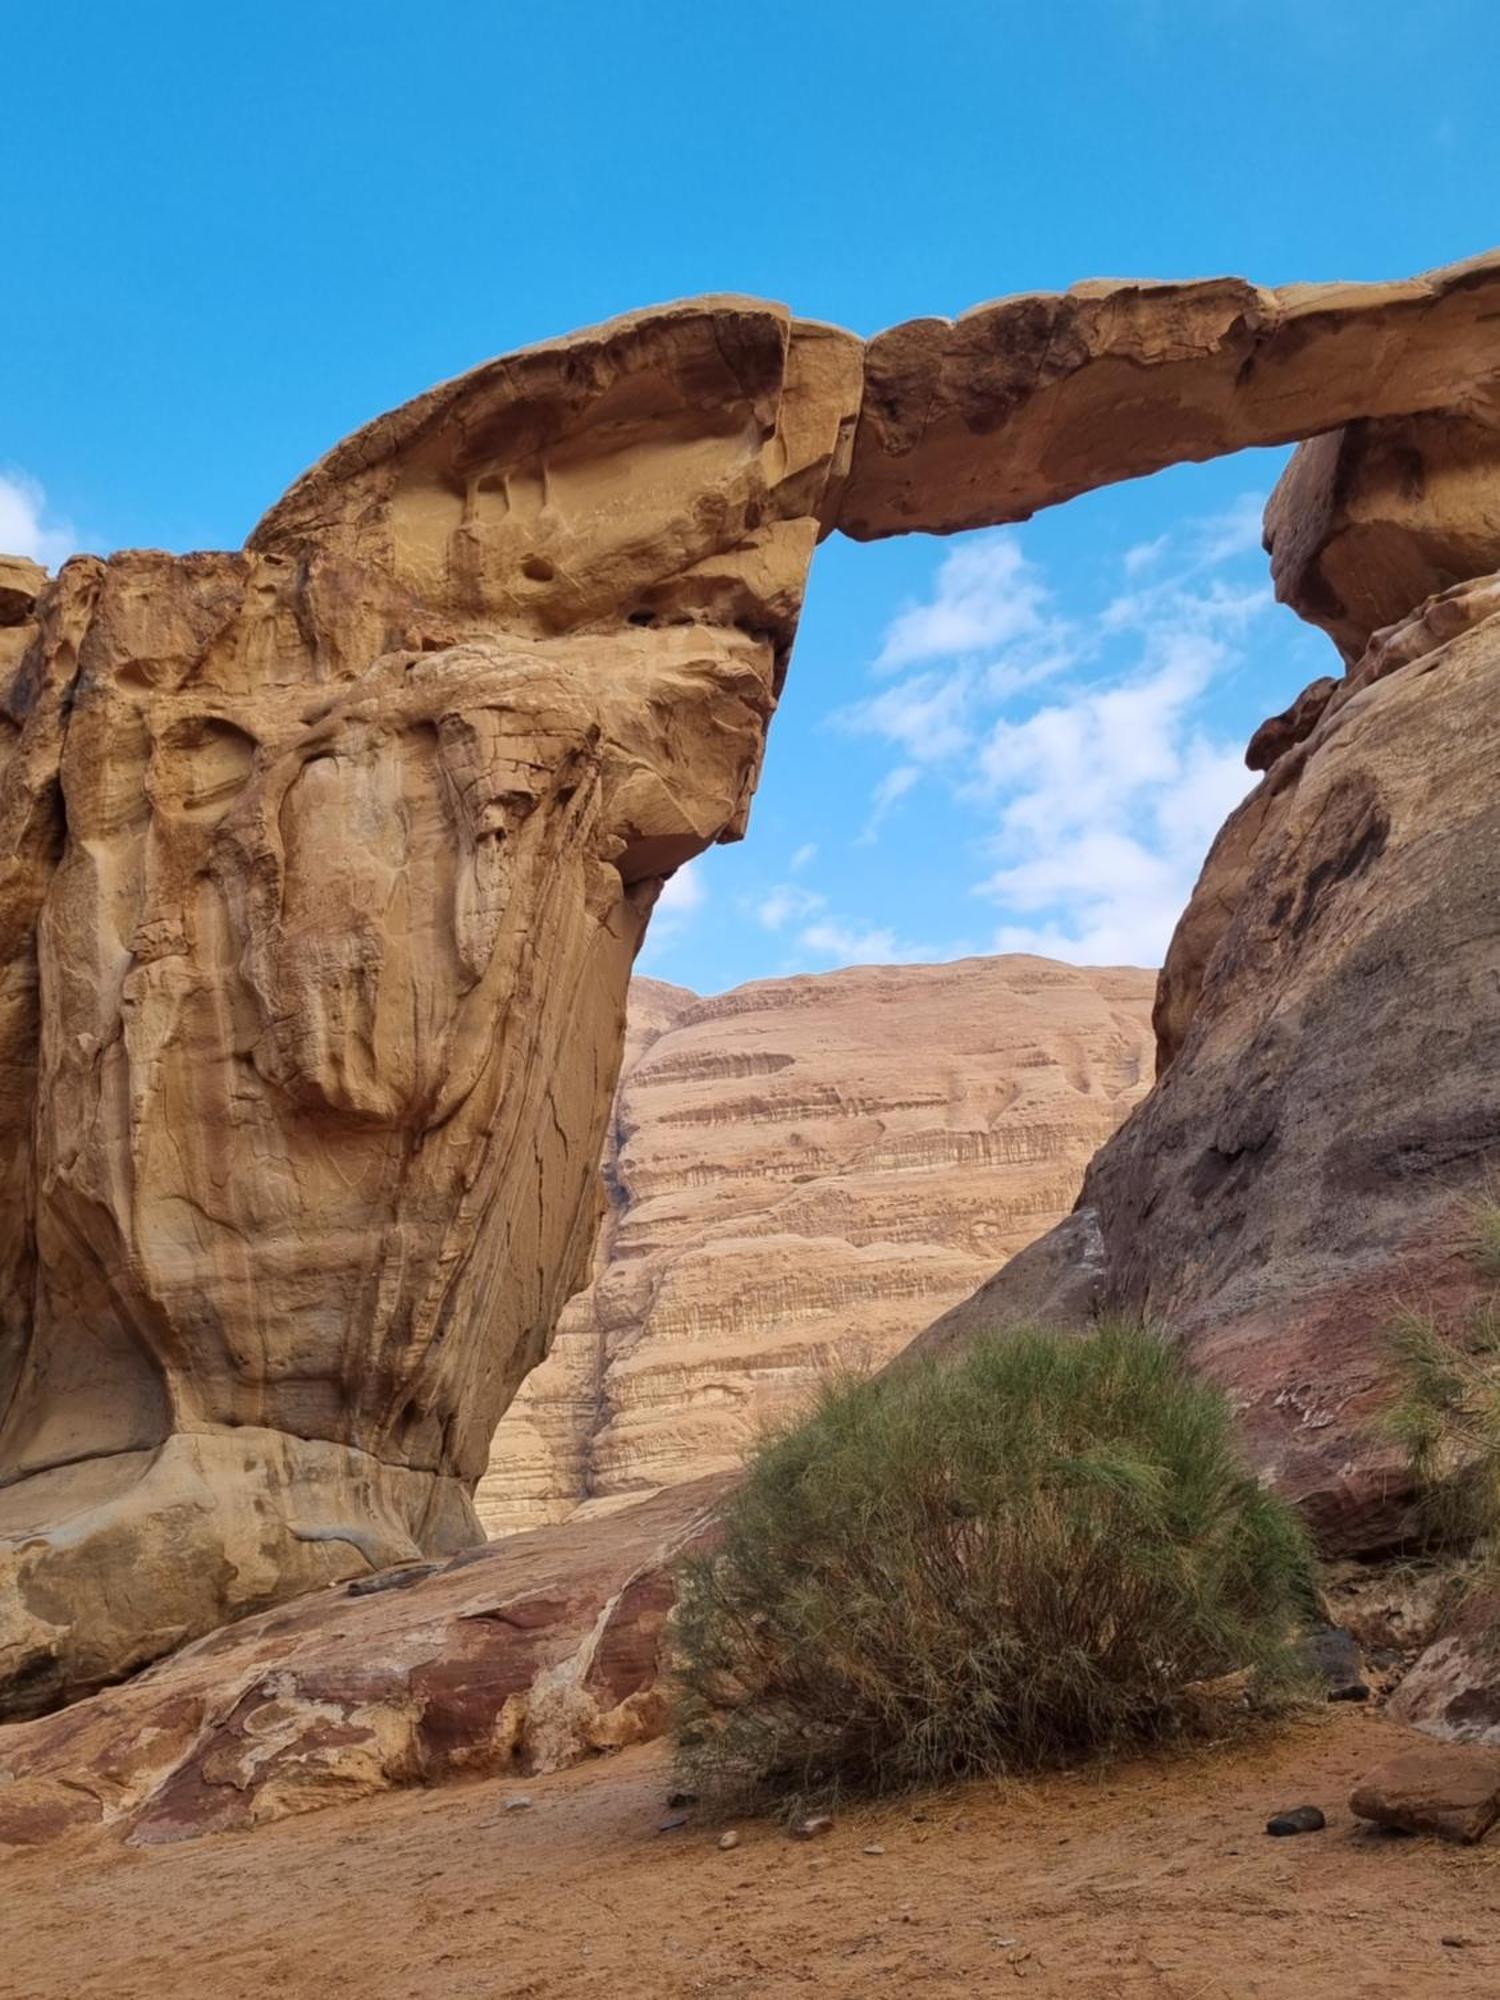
x=810, y=1828
x=671, y=1825
x=517, y=1805
x=1301, y=1819
x=1456, y=1943
x=874, y=1847
x=728, y=1840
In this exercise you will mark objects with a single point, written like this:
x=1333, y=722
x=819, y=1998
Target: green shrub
x=1033, y=1554
x=1444, y=1412
x=1487, y=1239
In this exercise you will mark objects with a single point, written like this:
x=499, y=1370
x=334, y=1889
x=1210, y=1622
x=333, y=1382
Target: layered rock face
x=322, y=868
x=801, y=1171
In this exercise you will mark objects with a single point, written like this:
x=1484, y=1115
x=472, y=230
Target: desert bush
x=1487, y=1239
x=1033, y=1554
x=1444, y=1411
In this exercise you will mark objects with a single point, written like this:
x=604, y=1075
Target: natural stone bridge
x=323, y=865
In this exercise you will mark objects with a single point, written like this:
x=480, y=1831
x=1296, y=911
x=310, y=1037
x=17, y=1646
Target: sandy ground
x=1156, y=1879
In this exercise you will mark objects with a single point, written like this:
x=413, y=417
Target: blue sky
x=235, y=233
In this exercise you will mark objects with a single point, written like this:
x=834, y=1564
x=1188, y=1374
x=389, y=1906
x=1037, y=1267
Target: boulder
x=1438, y=1788
x=1370, y=520
x=522, y=1657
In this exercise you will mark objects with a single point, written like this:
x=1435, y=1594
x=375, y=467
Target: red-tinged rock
x=1448, y=1789
x=522, y=1656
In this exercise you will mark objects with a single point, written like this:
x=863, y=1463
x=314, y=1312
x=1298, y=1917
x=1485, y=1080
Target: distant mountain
x=804, y=1172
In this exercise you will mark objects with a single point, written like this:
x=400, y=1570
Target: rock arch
x=322, y=866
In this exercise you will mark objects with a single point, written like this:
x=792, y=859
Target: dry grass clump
x=1445, y=1411
x=1035, y=1554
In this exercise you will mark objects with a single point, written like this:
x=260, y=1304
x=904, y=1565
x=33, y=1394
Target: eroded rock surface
x=518, y=1657
x=802, y=1170
x=1031, y=400
x=1371, y=519
x=322, y=868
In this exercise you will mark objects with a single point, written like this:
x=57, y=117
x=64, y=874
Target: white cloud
x=1144, y=555
x=929, y=716
x=1107, y=803
x=1235, y=532
x=784, y=903
x=683, y=895
x=805, y=855
x=25, y=529
x=848, y=944
x=892, y=787
x=1105, y=793
x=987, y=595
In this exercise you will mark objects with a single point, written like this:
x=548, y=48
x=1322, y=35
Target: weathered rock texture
x=1370, y=520
x=1330, y=1097
x=322, y=868
x=801, y=1171
x=519, y=1657
x=1436, y=1788
x=1034, y=399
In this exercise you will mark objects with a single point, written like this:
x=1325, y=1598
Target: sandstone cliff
x=801, y=1171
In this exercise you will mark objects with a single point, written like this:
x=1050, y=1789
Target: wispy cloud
x=785, y=903
x=1144, y=555
x=1235, y=532
x=1086, y=739
x=1107, y=803
x=27, y=527
x=987, y=595
x=678, y=907
x=893, y=787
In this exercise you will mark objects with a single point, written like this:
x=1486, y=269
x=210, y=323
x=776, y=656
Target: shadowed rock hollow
x=322, y=867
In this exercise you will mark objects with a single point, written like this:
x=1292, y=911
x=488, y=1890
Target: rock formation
x=1328, y=1106
x=322, y=867
x=801, y=1171
x=522, y=1657
x=1032, y=400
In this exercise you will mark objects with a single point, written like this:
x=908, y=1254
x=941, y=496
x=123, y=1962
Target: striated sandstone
x=801, y=1171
